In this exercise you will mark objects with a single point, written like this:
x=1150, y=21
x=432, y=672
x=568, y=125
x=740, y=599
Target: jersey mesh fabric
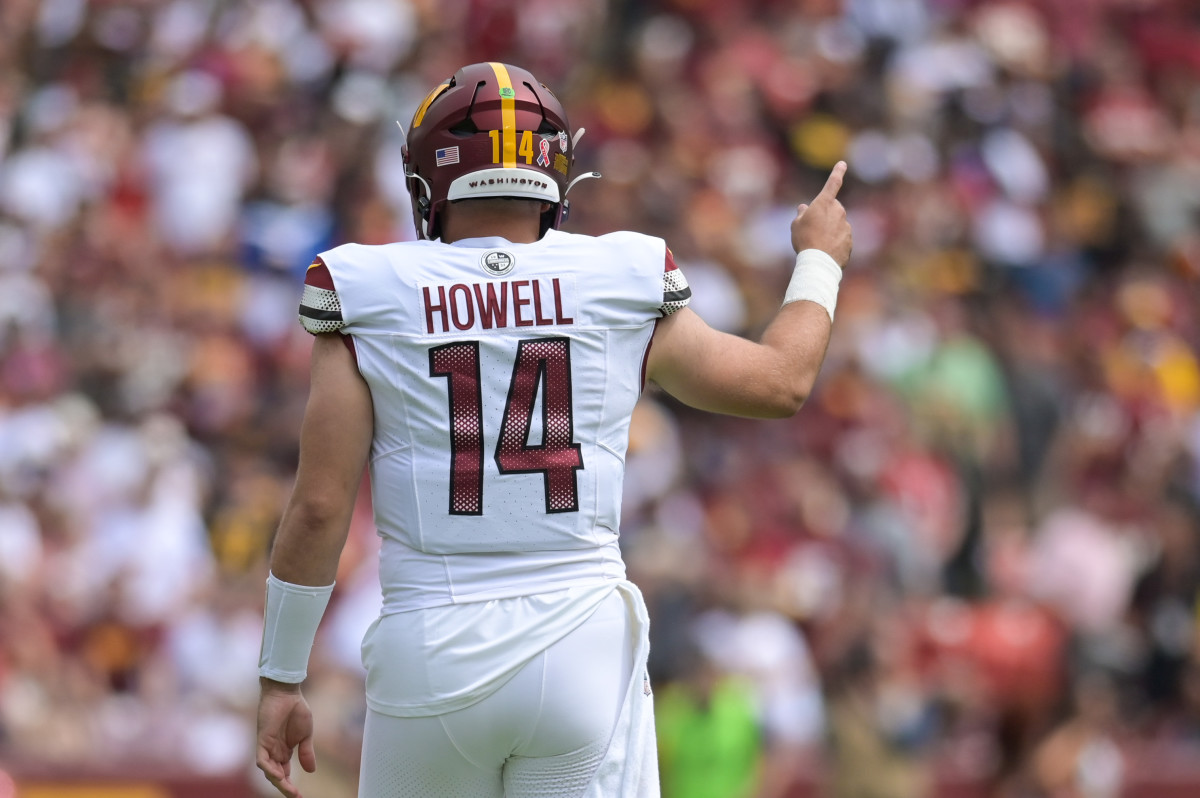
x=676, y=291
x=415, y=770
x=564, y=776
x=320, y=305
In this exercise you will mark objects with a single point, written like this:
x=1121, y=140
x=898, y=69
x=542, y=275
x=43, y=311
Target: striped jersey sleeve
x=676, y=292
x=320, y=307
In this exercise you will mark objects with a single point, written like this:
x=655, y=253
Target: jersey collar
x=483, y=242
x=494, y=242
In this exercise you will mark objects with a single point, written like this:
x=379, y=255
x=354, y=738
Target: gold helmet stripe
x=508, y=116
x=428, y=101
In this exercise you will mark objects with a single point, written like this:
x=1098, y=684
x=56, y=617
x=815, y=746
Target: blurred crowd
x=974, y=555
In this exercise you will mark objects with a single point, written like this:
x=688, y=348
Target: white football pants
x=543, y=733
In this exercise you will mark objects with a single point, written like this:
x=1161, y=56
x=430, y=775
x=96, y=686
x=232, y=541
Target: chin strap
x=566, y=204
x=424, y=184
x=584, y=176
x=423, y=203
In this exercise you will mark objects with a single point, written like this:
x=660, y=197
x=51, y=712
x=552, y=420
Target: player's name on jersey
x=498, y=304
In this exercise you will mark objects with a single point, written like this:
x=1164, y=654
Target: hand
x=822, y=223
x=284, y=721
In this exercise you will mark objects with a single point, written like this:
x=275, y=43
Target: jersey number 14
x=543, y=363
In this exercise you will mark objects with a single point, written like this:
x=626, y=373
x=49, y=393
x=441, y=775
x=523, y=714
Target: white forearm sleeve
x=289, y=628
x=816, y=279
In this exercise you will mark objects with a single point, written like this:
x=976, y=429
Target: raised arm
x=335, y=439
x=723, y=373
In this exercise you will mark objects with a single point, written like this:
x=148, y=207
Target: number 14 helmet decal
x=491, y=130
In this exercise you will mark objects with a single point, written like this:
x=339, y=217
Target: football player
x=486, y=375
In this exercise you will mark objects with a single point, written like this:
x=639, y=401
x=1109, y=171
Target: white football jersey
x=503, y=378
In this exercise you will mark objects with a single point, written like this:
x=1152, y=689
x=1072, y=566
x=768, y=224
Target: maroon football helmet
x=492, y=130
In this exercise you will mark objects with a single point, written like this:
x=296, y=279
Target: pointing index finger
x=834, y=183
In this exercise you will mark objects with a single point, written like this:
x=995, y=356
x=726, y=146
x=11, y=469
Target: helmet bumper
x=501, y=182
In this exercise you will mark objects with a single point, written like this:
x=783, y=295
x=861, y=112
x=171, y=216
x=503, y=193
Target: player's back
x=503, y=377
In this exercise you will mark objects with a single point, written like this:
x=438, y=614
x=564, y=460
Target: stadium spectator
x=1017, y=336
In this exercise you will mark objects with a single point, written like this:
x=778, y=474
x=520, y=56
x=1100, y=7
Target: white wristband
x=289, y=628
x=816, y=279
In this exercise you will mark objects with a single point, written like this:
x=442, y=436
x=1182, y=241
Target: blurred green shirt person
x=710, y=742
